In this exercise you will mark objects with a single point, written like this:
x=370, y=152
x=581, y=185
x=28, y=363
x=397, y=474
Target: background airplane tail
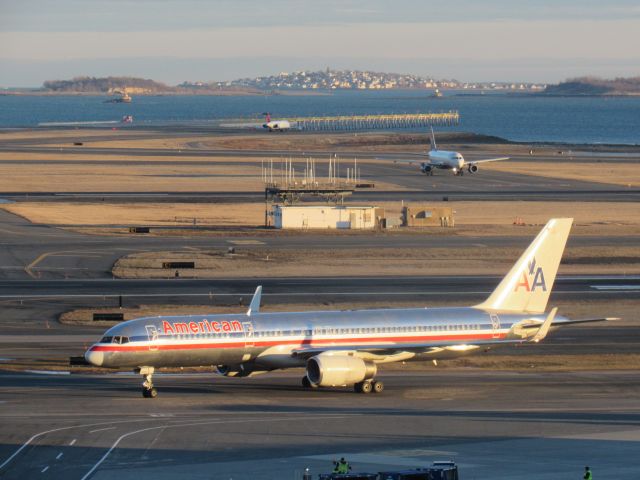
x=433, y=140
x=527, y=286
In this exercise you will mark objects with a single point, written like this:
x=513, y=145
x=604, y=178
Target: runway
x=494, y=425
x=298, y=290
x=397, y=168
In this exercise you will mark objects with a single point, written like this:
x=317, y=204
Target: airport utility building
x=327, y=216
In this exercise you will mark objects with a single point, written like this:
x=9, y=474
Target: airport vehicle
x=449, y=160
x=275, y=125
x=344, y=348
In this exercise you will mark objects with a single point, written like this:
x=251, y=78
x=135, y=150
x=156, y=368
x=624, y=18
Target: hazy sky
x=177, y=40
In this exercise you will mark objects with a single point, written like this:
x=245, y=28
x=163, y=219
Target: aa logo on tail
x=532, y=279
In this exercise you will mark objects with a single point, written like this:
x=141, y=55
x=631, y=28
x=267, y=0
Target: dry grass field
x=262, y=262
x=590, y=217
x=623, y=173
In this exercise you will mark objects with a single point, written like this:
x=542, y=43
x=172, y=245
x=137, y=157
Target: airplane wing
x=564, y=321
x=394, y=348
x=422, y=160
x=391, y=348
x=485, y=160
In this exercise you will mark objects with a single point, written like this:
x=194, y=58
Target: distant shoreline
x=208, y=93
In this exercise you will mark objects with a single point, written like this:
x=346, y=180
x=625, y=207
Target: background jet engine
x=425, y=167
x=337, y=370
x=472, y=168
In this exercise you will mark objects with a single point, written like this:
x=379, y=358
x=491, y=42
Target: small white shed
x=326, y=216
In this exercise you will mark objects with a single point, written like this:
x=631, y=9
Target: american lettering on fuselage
x=344, y=348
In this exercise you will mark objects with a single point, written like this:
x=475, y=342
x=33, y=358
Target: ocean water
x=589, y=120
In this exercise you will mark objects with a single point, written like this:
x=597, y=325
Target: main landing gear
x=368, y=386
x=148, y=390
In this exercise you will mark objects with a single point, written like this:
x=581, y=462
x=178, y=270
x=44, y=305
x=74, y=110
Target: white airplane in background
x=275, y=125
x=448, y=160
x=344, y=348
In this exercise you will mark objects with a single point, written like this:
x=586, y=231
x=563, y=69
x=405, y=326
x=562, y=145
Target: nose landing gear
x=148, y=390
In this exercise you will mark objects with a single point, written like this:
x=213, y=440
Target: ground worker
x=587, y=474
x=342, y=466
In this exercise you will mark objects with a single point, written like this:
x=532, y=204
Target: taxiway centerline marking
x=213, y=422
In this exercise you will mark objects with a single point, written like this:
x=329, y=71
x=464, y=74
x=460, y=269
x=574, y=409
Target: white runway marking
x=44, y=469
x=59, y=456
x=38, y=435
x=245, y=242
x=73, y=441
x=211, y=422
x=49, y=372
x=615, y=287
x=102, y=429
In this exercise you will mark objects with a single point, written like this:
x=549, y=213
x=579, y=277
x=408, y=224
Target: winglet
x=544, y=328
x=254, y=306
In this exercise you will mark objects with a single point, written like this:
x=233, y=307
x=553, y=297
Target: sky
x=214, y=40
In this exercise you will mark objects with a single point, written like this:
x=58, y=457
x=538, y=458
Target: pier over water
x=368, y=122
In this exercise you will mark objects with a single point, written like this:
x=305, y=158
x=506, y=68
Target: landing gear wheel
x=147, y=385
x=149, y=392
x=306, y=383
x=363, y=387
x=378, y=386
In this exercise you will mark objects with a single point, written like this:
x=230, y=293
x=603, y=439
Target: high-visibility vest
x=343, y=467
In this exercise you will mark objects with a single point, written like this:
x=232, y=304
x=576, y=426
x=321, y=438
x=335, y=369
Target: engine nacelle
x=327, y=370
x=472, y=168
x=242, y=370
x=425, y=167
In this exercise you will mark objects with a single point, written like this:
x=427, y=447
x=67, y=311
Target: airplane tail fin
x=527, y=286
x=433, y=140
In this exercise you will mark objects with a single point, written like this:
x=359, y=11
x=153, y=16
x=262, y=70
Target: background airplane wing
x=485, y=160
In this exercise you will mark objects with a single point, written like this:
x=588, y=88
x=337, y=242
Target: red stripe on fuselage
x=357, y=342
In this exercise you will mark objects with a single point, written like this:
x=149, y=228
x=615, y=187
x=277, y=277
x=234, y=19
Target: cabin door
x=248, y=334
x=152, y=333
x=495, y=325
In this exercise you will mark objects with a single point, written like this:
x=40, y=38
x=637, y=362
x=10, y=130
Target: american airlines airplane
x=344, y=348
x=447, y=160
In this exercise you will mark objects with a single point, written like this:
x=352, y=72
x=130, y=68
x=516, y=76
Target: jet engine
x=472, y=168
x=425, y=167
x=336, y=370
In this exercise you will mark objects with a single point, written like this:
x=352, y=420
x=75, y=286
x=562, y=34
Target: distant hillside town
x=327, y=80
x=355, y=79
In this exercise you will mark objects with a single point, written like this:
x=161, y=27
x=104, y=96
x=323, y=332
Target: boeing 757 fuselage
x=341, y=348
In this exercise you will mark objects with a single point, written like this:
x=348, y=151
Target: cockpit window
x=116, y=339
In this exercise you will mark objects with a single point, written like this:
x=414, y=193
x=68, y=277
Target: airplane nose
x=94, y=358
